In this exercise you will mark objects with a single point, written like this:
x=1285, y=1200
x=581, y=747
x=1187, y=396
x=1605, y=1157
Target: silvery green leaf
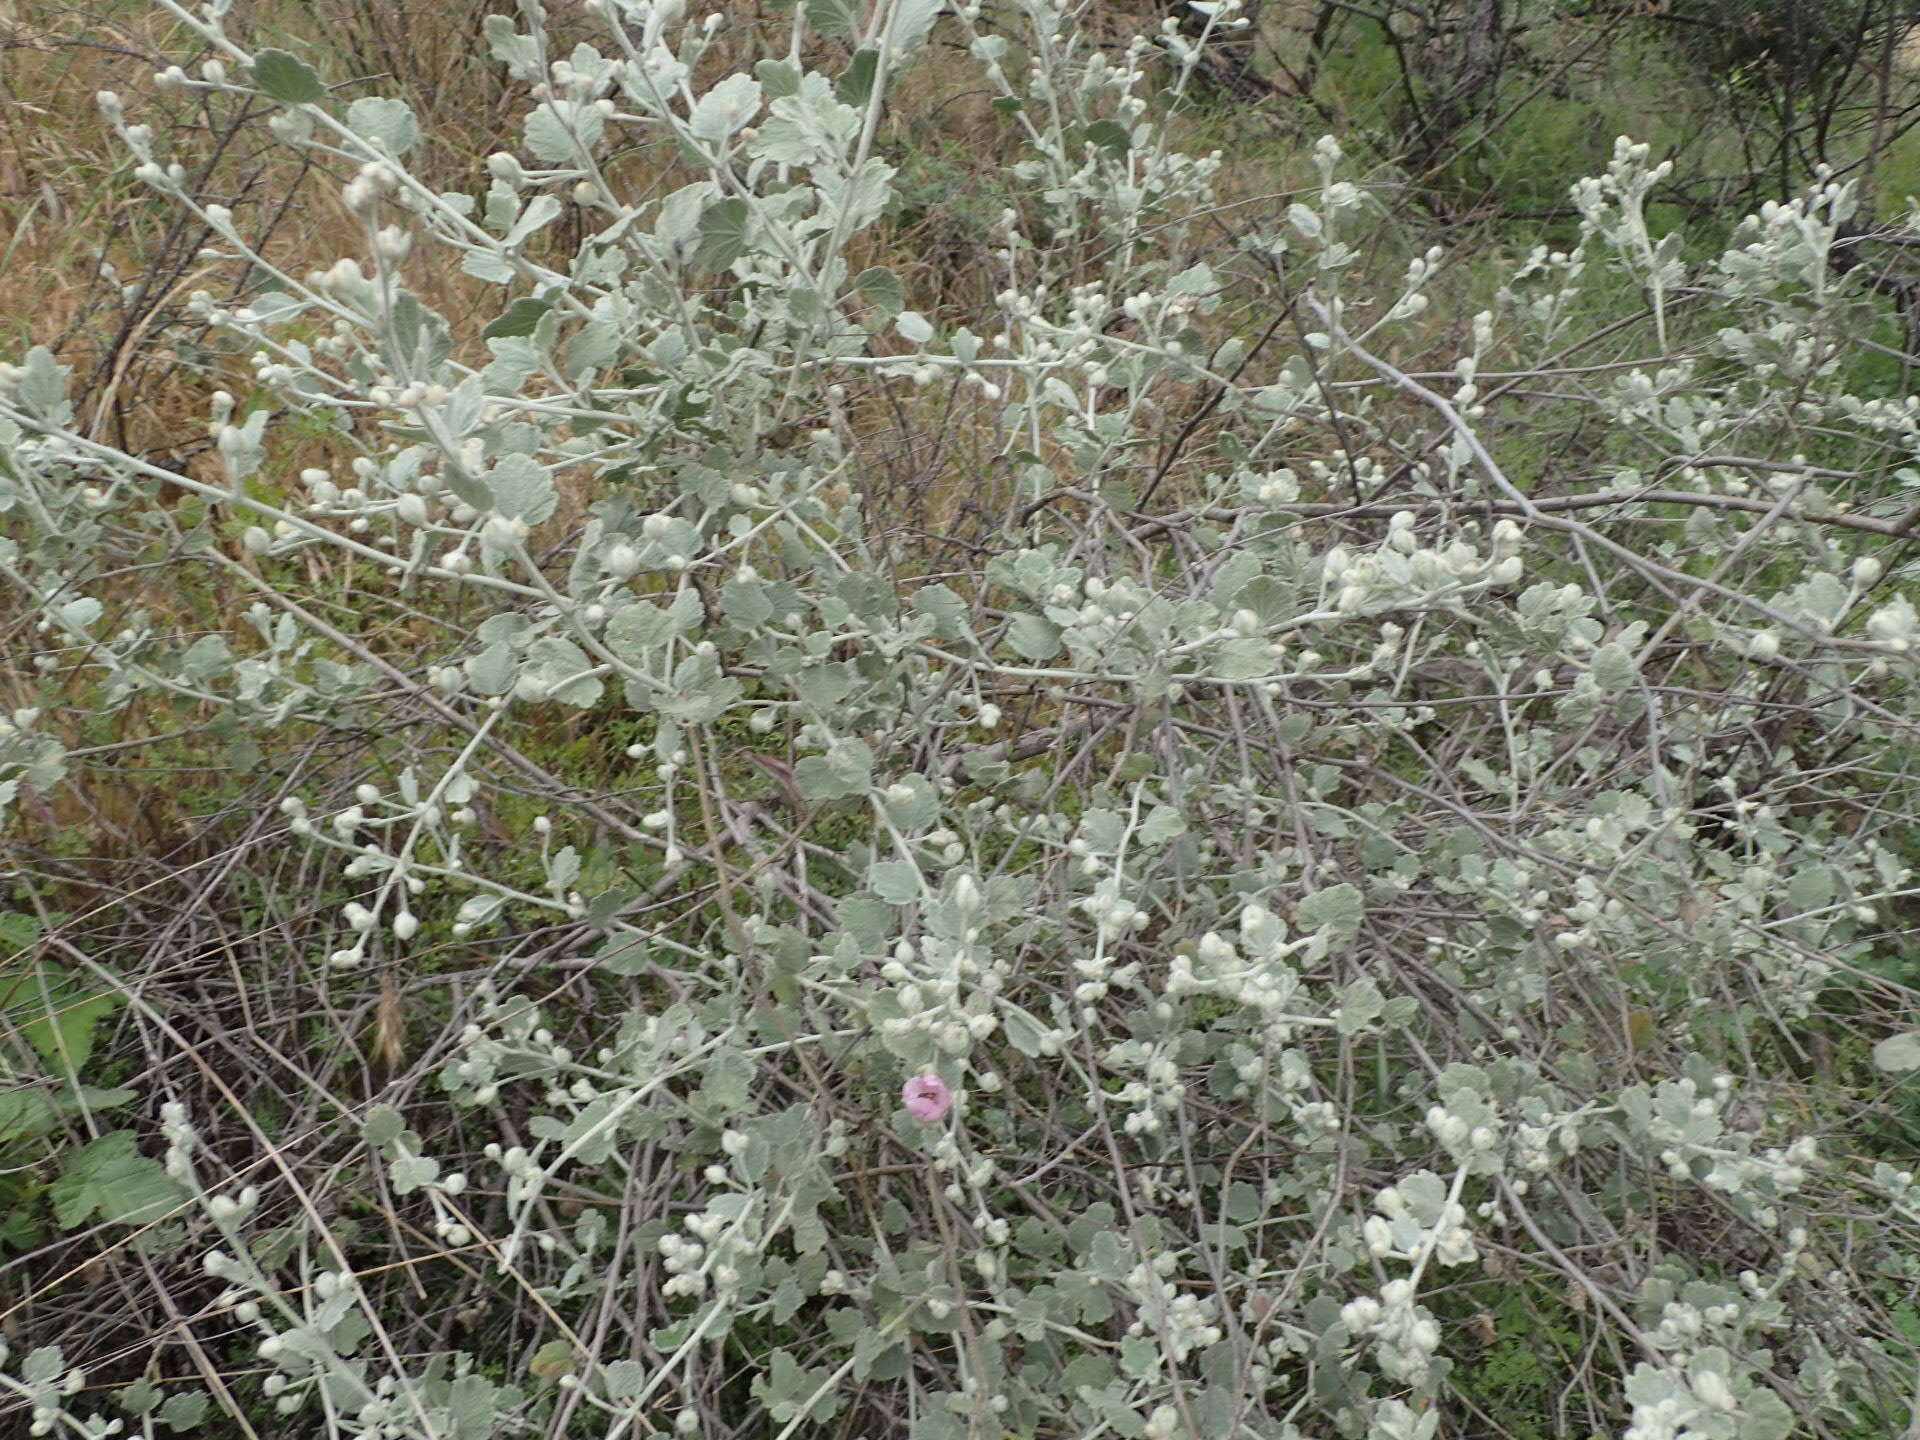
x=1824, y=598
x=1162, y=824
x=1059, y=392
x=43, y=1365
x=918, y=808
x=840, y=18
x=492, y=671
x=881, y=289
x=913, y=326
x=947, y=610
x=475, y=1404
x=564, y=668
x=1898, y=1053
x=382, y=1126
x=1234, y=574
x=503, y=205
x=785, y=140
x=477, y=910
x=463, y=408
x=206, y=658
x=1339, y=908
x=541, y=210
x=1766, y=1417
x=723, y=233
x=389, y=123
x=700, y=692
x=824, y=686
x=421, y=336
x=861, y=196
x=1361, y=1003
x=678, y=219
x=1401, y=1011
x=487, y=266
x=912, y=22
x=1103, y=830
x=558, y=126
x=1273, y=600
x=509, y=625
x=43, y=388
x=1195, y=280
x=510, y=47
x=78, y=614
x=1034, y=638
x=780, y=78
x=895, y=881
x=725, y=108
x=286, y=78
x=625, y=1378
x=1613, y=668
x=1242, y=659
x=1811, y=888
x=746, y=603
x=522, y=488
x=846, y=769
x=408, y=1174
x=515, y=358
x=636, y=631
x=1021, y=1030
x=597, y=343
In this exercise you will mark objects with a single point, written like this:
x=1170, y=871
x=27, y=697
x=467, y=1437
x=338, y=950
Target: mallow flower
x=927, y=1098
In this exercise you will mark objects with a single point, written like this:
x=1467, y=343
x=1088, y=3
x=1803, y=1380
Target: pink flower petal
x=926, y=1097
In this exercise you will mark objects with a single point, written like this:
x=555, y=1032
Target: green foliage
x=110, y=1179
x=1355, y=816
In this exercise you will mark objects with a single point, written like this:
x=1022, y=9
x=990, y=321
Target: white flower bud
x=503, y=532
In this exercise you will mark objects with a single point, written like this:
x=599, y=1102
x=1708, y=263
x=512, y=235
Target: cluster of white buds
x=1543, y=1140
x=1159, y=1094
x=375, y=180
x=1405, y=1229
x=1183, y=1322
x=945, y=991
x=1115, y=916
x=1261, y=980
x=1892, y=625
x=1402, y=573
x=1405, y=1334
x=684, y=1260
x=720, y=1238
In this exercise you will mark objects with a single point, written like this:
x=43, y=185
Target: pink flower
x=926, y=1097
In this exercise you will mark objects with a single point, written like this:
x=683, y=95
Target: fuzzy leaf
x=1034, y=638
x=1898, y=1053
x=519, y=319
x=389, y=123
x=723, y=234
x=286, y=78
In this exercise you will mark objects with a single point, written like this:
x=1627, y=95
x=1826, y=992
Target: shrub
x=1392, y=815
